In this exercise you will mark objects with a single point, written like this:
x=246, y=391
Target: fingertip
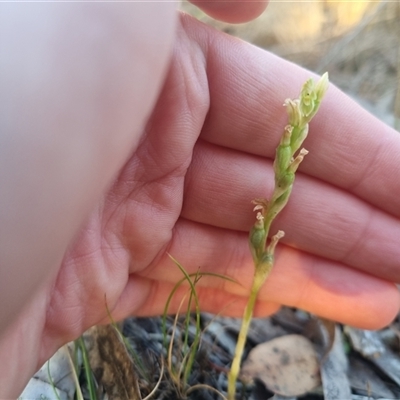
x=332, y=290
x=234, y=12
x=369, y=309
x=381, y=309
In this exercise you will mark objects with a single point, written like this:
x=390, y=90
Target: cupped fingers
x=319, y=218
x=349, y=148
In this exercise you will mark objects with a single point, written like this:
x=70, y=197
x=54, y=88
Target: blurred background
x=357, y=42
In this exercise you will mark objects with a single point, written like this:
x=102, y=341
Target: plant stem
x=289, y=155
x=258, y=280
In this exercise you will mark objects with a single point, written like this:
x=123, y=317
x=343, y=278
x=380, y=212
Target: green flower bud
x=311, y=97
x=322, y=86
x=307, y=98
x=263, y=268
x=283, y=158
x=257, y=237
x=267, y=258
x=283, y=182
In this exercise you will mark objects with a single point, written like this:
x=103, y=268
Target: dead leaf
x=55, y=376
x=366, y=382
x=334, y=366
x=287, y=365
x=372, y=347
x=111, y=363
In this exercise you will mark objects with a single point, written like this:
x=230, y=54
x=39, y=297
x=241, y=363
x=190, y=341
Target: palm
x=186, y=190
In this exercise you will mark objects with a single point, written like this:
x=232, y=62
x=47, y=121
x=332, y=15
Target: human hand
x=206, y=152
x=78, y=81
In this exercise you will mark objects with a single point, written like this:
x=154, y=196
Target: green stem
x=87, y=368
x=260, y=276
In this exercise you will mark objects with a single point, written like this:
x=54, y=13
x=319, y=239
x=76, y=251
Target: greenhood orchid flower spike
x=287, y=160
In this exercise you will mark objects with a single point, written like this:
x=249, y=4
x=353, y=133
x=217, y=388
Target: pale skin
x=115, y=197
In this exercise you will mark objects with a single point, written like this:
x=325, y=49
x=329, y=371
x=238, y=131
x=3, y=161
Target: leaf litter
x=291, y=355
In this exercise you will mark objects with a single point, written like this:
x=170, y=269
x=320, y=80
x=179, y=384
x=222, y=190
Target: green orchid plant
x=289, y=155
